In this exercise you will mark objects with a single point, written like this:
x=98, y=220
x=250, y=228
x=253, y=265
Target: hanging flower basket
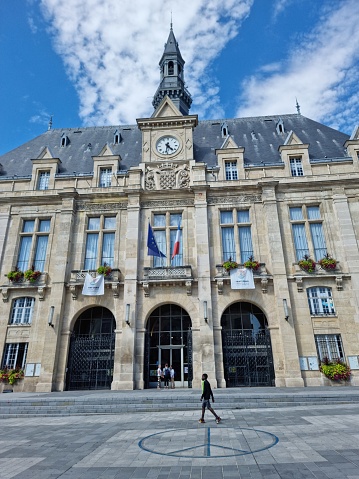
x=31, y=275
x=10, y=376
x=15, y=276
x=335, y=371
x=252, y=264
x=228, y=265
x=328, y=263
x=105, y=270
x=307, y=264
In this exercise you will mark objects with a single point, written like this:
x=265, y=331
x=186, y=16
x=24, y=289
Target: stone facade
x=144, y=183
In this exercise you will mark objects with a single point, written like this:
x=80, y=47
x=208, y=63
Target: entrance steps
x=151, y=400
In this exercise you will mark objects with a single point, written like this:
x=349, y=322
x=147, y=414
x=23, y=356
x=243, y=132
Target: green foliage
x=328, y=262
x=105, y=270
x=31, y=275
x=10, y=376
x=15, y=275
x=336, y=371
x=228, y=265
x=251, y=264
x=307, y=264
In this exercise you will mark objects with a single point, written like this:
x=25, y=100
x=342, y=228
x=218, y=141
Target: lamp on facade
x=285, y=307
x=127, y=317
x=205, y=315
x=51, y=316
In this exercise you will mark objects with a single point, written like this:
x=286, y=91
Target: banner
x=94, y=286
x=242, y=278
x=153, y=249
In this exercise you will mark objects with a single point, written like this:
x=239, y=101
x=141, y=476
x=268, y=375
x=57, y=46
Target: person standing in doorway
x=172, y=371
x=207, y=394
x=159, y=375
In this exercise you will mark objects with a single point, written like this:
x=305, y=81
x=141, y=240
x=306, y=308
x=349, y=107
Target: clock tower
x=172, y=77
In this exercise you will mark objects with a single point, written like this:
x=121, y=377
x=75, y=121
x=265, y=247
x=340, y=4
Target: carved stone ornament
x=41, y=292
x=167, y=204
x=98, y=207
x=299, y=281
x=339, y=282
x=167, y=176
x=73, y=290
x=115, y=289
x=5, y=294
x=264, y=284
x=233, y=200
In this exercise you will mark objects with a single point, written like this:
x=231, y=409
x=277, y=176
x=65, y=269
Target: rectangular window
x=14, y=355
x=22, y=309
x=105, y=177
x=33, y=244
x=243, y=245
x=306, y=220
x=165, y=228
x=43, y=180
x=231, y=170
x=296, y=168
x=329, y=346
x=100, y=242
x=320, y=301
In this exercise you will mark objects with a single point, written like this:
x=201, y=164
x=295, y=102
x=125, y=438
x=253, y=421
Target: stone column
x=203, y=348
x=125, y=359
x=284, y=343
x=61, y=246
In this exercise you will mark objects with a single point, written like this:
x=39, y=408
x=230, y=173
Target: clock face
x=167, y=145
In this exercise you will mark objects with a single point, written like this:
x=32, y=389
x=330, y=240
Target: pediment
x=106, y=151
x=355, y=134
x=229, y=143
x=166, y=109
x=45, y=154
x=292, y=139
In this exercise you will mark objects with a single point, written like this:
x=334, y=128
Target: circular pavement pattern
x=208, y=442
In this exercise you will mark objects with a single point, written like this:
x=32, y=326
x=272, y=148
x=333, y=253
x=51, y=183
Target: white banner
x=242, y=278
x=94, y=286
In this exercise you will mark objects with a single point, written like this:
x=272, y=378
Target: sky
x=95, y=62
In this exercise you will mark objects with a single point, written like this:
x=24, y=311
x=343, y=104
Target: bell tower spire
x=172, y=77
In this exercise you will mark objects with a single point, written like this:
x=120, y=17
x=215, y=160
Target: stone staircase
x=115, y=402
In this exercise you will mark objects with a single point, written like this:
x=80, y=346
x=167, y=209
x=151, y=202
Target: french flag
x=176, y=246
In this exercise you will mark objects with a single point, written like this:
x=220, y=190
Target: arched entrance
x=168, y=340
x=247, y=351
x=92, y=349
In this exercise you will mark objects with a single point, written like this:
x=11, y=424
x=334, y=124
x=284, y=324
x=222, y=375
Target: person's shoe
x=218, y=420
x=202, y=421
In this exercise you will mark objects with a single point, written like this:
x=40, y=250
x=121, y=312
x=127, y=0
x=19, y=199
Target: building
x=273, y=188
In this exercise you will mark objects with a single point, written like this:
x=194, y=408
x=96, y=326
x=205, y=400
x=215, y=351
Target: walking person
x=167, y=375
x=207, y=394
x=159, y=375
x=172, y=371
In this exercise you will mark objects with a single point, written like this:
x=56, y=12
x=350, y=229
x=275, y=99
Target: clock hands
x=168, y=147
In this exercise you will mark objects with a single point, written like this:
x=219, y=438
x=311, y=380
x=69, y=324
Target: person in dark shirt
x=207, y=394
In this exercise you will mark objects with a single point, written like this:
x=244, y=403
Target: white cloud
x=110, y=50
x=322, y=73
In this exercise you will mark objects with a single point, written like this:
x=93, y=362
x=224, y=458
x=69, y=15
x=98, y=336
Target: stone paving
x=287, y=443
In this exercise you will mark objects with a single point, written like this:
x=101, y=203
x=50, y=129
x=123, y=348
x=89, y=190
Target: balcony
x=260, y=276
x=40, y=284
x=168, y=276
x=77, y=280
x=298, y=274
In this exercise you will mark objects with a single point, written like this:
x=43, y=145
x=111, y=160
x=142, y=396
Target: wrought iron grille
x=91, y=361
x=247, y=357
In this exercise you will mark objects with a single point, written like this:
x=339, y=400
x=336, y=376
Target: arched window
x=171, y=69
x=22, y=309
x=320, y=301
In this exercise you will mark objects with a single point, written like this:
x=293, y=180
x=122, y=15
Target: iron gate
x=247, y=357
x=91, y=361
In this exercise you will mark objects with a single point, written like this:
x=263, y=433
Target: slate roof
x=258, y=135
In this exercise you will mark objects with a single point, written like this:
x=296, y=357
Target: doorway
x=168, y=341
x=92, y=350
x=247, y=351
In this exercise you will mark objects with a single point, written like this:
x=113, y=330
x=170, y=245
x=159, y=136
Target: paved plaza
x=315, y=442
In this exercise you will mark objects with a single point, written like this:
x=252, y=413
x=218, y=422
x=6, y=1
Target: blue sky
x=95, y=62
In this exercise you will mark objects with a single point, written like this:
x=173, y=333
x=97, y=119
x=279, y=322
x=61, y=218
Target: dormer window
x=64, y=141
x=224, y=130
x=43, y=180
x=280, y=126
x=296, y=167
x=105, y=177
x=171, y=69
x=116, y=138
